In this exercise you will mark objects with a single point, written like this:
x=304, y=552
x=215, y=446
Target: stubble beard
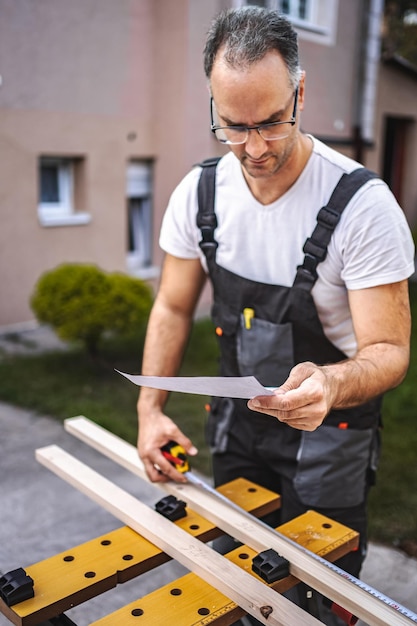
x=274, y=164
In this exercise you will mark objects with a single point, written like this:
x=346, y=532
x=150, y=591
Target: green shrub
x=81, y=302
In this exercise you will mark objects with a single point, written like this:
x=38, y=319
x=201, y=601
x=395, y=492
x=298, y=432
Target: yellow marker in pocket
x=248, y=314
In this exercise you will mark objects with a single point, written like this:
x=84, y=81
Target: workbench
x=218, y=589
x=87, y=570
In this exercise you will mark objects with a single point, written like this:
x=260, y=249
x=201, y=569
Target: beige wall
x=331, y=77
x=397, y=97
x=181, y=103
x=108, y=81
x=76, y=81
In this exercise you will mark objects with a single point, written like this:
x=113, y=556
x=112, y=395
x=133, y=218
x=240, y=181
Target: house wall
x=331, y=77
x=107, y=82
x=74, y=83
x=397, y=97
x=181, y=102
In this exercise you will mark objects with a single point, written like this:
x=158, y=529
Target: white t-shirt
x=372, y=244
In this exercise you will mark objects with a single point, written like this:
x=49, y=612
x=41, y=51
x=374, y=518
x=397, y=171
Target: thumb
x=298, y=375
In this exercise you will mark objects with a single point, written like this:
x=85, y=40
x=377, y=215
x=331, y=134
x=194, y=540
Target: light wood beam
x=304, y=565
x=269, y=607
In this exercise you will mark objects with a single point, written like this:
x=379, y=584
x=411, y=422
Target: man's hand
x=381, y=321
x=156, y=430
x=303, y=401
x=169, y=326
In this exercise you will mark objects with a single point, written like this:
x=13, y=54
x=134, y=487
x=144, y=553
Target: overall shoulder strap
x=206, y=217
x=315, y=247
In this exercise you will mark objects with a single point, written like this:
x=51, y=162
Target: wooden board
x=304, y=565
x=269, y=607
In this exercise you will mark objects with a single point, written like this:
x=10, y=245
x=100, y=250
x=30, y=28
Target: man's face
x=259, y=94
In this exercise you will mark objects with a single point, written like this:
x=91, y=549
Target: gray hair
x=247, y=34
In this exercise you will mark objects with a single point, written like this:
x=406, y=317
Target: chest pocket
x=264, y=350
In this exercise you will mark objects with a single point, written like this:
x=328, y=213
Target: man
x=333, y=345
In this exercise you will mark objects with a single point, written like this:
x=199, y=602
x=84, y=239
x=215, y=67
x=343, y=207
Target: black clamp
x=270, y=566
x=16, y=586
x=171, y=508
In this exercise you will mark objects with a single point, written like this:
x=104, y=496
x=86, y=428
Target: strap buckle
x=328, y=218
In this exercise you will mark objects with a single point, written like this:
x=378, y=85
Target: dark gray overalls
x=328, y=470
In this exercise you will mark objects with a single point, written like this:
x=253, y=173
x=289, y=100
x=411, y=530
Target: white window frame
x=320, y=25
x=139, y=206
x=61, y=213
x=294, y=9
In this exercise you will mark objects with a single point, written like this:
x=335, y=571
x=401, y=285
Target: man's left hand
x=302, y=402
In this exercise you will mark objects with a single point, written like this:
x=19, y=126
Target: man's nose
x=255, y=144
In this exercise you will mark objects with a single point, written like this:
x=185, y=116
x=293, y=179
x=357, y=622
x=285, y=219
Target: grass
x=65, y=384
x=393, y=501
x=68, y=383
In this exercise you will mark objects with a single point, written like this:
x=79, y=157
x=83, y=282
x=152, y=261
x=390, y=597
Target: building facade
x=104, y=107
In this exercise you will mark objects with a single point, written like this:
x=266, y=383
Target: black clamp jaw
x=270, y=566
x=16, y=586
x=171, y=508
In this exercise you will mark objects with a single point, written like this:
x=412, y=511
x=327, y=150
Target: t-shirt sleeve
x=375, y=242
x=179, y=235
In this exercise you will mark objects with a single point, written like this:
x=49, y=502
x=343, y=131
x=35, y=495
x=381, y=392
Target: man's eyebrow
x=269, y=120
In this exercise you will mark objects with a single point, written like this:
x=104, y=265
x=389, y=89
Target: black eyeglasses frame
x=258, y=127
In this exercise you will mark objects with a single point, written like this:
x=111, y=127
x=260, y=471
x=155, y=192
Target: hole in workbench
x=243, y=555
x=90, y=574
x=326, y=525
x=137, y=612
x=127, y=557
x=252, y=490
x=69, y=558
x=194, y=526
x=175, y=591
x=105, y=542
x=203, y=611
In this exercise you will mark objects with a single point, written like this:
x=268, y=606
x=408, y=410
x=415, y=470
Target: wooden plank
x=256, y=535
x=253, y=596
x=194, y=602
x=118, y=556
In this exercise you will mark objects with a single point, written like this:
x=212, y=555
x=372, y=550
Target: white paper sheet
x=245, y=387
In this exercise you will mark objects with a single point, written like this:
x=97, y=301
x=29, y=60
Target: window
x=297, y=9
x=315, y=20
x=139, y=218
x=57, y=179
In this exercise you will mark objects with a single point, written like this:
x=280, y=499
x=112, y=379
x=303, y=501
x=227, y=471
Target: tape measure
x=176, y=455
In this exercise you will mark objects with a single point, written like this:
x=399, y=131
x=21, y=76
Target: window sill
x=145, y=273
x=308, y=26
x=75, y=219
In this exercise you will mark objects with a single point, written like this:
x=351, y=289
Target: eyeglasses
x=234, y=135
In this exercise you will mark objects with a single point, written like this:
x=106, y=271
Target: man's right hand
x=169, y=326
x=155, y=430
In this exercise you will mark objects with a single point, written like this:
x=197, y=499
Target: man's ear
x=301, y=91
